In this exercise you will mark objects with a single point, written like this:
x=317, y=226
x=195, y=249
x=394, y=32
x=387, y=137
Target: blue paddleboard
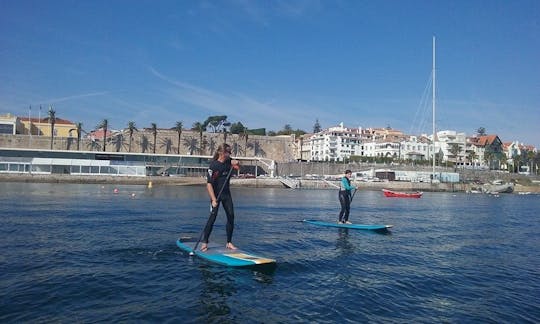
x=374, y=227
x=218, y=253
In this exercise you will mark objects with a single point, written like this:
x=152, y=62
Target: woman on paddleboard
x=345, y=197
x=218, y=177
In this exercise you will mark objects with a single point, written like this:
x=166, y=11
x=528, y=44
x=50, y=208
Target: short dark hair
x=348, y=171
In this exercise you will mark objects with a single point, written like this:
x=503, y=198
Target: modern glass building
x=14, y=160
x=100, y=163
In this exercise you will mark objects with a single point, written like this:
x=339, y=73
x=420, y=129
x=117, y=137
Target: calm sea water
x=79, y=253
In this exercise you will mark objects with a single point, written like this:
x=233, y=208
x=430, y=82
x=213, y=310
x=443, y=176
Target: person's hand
x=214, y=203
x=235, y=164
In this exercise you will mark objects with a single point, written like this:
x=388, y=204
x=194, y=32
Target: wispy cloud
x=73, y=97
x=238, y=106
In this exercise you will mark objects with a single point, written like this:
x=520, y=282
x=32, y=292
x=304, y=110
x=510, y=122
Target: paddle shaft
x=354, y=193
x=212, y=209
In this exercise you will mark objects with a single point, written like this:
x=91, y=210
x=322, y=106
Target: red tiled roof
x=484, y=140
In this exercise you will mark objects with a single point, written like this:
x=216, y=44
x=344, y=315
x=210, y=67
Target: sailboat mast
x=433, y=107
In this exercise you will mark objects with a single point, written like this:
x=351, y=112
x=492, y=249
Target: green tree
x=317, y=126
x=178, y=129
x=104, y=124
x=471, y=156
x=52, y=120
x=455, y=149
x=481, y=131
x=198, y=127
x=287, y=130
x=131, y=128
x=237, y=128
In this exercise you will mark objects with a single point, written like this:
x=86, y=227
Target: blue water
x=79, y=253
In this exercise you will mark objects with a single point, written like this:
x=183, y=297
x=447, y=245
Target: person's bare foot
x=204, y=247
x=230, y=246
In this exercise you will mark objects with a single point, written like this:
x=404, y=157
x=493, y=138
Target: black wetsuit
x=218, y=176
x=345, y=199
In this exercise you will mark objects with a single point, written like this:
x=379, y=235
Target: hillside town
x=338, y=143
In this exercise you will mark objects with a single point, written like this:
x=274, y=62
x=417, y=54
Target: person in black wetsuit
x=345, y=198
x=217, y=179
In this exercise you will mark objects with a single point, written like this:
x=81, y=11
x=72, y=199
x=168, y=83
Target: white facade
x=381, y=149
x=416, y=149
x=335, y=144
x=446, y=140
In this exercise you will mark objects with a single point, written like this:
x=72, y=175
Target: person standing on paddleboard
x=345, y=197
x=218, y=177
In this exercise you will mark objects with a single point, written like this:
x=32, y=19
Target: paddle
x=212, y=210
x=354, y=193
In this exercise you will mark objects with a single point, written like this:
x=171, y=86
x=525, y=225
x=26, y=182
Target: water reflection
x=342, y=243
x=216, y=289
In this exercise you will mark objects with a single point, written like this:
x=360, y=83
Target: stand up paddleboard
x=218, y=253
x=374, y=227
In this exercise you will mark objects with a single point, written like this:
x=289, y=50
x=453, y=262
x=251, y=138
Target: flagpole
x=30, y=126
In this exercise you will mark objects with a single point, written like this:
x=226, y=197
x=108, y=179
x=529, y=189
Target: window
x=6, y=128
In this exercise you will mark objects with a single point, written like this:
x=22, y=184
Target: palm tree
x=154, y=132
x=79, y=130
x=178, y=129
x=52, y=120
x=105, y=126
x=455, y=149
x=471, y=155
x=131, y=128
x=199, y=127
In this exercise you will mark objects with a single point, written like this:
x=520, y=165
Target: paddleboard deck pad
x=218, y=253
x=372, y=227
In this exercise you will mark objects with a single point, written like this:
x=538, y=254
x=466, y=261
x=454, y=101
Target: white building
x=335, y=144
x=447, y=140
x=416, y=148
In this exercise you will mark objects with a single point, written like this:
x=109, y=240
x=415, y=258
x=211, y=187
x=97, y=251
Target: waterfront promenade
x=261, y=182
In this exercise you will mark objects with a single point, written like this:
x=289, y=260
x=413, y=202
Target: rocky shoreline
x=254, y=183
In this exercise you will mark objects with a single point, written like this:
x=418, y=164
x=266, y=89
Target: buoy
x=115, y=190
x=149, y=184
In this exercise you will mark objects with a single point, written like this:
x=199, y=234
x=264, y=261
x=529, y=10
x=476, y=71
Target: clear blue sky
x=271, y=63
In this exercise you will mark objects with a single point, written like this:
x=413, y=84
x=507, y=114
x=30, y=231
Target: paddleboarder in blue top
x=345, y=197
x=218, y=177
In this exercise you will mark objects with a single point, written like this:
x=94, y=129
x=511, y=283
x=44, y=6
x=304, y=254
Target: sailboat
x=433, y=178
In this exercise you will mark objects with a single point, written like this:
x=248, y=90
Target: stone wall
x=279, y=148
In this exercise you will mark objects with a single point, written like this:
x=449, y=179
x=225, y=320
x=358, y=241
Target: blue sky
x=271, y=63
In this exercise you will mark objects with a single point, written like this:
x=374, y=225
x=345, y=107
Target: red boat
x=390, y=193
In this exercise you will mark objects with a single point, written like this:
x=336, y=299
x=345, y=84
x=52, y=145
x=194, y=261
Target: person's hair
x=348, y=171
x=222, y=148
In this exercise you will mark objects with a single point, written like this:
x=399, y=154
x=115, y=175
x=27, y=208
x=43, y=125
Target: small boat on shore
x=401, y=194
x=497, y=187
